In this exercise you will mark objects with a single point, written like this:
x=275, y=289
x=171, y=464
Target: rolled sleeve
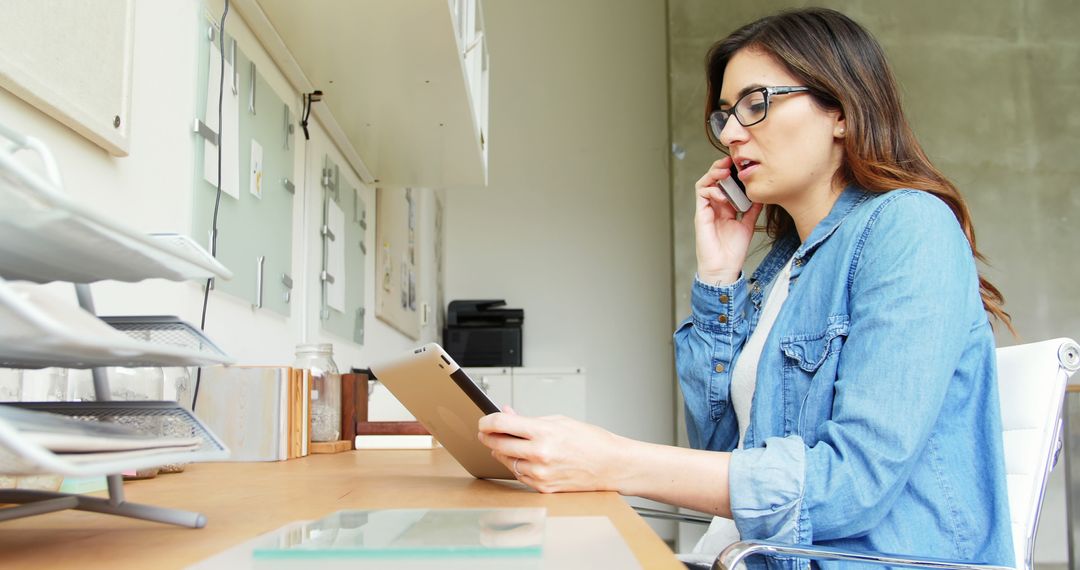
x=706, y=344
x=767, y=485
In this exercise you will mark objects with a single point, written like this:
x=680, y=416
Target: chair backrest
x=1031, y=382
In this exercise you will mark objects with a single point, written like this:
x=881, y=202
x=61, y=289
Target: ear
x=839, y=126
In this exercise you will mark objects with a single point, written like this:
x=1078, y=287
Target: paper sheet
x=335, y=263
x=230, y=110
x=256, y=174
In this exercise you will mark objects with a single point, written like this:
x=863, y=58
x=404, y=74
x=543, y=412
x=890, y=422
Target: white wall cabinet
x=535, y=391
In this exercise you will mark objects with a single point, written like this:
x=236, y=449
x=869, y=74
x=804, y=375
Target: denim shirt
x=875, y=423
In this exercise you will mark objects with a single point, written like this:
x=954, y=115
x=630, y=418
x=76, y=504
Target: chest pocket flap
x=810, y=351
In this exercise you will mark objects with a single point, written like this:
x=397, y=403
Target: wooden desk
x=243, y=500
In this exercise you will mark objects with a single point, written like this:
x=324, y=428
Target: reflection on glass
x=415, y=533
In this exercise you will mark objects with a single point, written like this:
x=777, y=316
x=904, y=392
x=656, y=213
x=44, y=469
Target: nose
x=733, y=132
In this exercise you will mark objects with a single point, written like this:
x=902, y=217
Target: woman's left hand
x=554, y=454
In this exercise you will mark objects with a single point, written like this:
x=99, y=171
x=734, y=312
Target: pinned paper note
x=255, y=187
x=230, y=111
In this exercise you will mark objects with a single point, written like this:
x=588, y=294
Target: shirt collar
x=849, y=199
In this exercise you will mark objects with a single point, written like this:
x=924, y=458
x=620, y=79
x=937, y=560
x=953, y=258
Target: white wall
x=151, y=190
x=574, y=227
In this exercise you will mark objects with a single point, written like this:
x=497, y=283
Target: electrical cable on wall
x=309, y=98
x=217, y=198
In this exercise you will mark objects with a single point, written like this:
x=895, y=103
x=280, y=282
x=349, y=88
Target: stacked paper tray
x=19, y=456
x=39, y=330
x=46, y=236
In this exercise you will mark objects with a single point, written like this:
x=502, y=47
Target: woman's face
x=795, y=151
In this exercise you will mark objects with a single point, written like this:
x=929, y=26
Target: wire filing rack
x=46, y=236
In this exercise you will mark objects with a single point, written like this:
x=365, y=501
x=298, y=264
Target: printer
x=479, y=333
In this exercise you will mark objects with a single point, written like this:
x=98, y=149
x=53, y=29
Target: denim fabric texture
x=875, y=423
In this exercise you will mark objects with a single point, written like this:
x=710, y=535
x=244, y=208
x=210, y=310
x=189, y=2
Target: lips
x=745, y=166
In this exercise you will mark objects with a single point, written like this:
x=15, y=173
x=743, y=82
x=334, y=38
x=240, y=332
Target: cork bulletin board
x=397, y=262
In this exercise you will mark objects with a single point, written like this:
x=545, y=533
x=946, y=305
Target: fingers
x=507, y=423
x=751, y=216
x=719, y=169
x=507, y=445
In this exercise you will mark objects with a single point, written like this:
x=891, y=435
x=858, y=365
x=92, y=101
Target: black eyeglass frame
x=718, y=119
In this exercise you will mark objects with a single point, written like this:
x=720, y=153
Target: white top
x=722, y=532
x=744, y=376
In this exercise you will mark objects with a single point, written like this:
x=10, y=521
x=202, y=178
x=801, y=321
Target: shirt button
x=719, y=367
x=722, y=318
x=723, y=298
x=798, y=262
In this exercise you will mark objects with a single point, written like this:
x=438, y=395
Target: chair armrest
x=672, y=516
x=734, y=554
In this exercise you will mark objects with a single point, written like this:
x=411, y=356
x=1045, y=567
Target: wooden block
x=330, y=446
x=349, y=385
x=391, y=428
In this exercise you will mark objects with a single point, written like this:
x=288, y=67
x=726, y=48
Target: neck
x=811, y=207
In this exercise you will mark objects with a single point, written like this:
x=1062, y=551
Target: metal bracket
x=288, y=127
x=288, y=185
x=251, y=94
x=235, y=72
x=260, y=264
x=205, y=132
x=326, y=277
x=325, y=232
x=286, y=280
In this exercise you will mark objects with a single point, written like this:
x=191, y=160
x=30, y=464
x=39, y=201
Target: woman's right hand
x=723, y=239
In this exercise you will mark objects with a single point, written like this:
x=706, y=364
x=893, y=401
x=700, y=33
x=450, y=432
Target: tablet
x=449, y=404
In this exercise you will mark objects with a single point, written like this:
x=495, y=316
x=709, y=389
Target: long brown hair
x=846, y=71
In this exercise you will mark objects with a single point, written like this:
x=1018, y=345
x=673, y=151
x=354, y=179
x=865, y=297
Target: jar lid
x=324, y=347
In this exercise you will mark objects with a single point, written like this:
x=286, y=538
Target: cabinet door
x=546, y=393
x=497, y=383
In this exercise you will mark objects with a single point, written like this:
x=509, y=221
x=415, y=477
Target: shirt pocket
x=810, y=369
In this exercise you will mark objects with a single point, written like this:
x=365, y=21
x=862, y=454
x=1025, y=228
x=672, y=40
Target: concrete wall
x=991, y=91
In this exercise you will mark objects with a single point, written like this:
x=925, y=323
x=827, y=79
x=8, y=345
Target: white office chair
x=1031, y=382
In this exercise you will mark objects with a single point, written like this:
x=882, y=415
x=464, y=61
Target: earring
x=842, y=131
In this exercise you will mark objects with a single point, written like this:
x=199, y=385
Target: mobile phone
x=735, y=191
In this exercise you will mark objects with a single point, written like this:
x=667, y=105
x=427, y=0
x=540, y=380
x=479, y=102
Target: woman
x=845, y=393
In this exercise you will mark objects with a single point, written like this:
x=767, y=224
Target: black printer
x=478, y=333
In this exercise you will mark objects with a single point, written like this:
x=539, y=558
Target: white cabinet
x=535, y=391
x=404, y=81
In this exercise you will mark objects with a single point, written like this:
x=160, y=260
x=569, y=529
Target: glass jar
x=177, y=387
x=10, y=385
x=45, y=385
x=325, y=382
x=145, y=383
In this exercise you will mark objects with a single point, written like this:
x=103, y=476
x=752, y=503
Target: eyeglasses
x=750, y=109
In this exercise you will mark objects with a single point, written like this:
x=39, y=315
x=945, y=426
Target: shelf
x=47, y=236
x=163, y=419
x=38, y=330
x=406, y=88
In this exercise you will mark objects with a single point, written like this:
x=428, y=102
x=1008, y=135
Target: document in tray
x=81, y=440
x=412, y=533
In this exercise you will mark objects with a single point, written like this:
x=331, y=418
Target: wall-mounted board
x=72, y=59
x=397, y=267
x=258, y=189
x=343, y=230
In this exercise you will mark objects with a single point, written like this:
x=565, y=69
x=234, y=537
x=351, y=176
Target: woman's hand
x=554, y=453
x=722, y=239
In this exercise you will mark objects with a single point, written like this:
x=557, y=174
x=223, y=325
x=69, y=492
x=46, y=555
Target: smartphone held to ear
x=735, y=192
